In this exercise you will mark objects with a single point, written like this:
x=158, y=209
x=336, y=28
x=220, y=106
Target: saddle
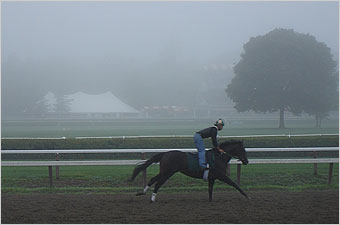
x=193, y=160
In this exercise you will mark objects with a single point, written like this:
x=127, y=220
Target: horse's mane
x=226, y=143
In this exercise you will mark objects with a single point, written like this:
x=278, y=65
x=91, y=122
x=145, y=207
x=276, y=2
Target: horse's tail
x=139, y=168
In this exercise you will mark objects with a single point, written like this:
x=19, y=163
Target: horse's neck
x=217, y=153
x=227, y=155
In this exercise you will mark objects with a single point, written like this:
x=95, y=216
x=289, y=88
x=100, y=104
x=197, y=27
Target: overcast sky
x=99, y=43
x=141, y=30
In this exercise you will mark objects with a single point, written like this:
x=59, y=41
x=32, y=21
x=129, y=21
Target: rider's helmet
x=219, y=122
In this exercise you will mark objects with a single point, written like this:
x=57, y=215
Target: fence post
x=144, y=171
x=238, y=174
x=228, y=170
x=50, y=175
x=57, y=167
x=315, y=154
x=330, y=174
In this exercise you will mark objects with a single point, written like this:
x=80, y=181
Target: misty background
x=145, y=53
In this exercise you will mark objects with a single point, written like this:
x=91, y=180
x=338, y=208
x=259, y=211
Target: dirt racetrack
x=192, y=207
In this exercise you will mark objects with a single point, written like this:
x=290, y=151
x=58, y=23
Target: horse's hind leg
x=151, y=182
x=159, y=183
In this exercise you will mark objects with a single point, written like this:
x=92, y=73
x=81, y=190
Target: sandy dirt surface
x=192, y=207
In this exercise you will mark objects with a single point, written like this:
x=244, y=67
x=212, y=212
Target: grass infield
x=113, y=179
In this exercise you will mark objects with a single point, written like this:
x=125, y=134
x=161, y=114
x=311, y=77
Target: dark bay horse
x=176, y=161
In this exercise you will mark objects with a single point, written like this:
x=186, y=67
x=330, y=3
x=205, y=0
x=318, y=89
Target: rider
x=198, y=139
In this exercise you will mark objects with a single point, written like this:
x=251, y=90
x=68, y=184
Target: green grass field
x=105, y=128
x=101, y=179
x=113, y=179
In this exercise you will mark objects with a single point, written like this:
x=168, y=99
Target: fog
x=145, y=53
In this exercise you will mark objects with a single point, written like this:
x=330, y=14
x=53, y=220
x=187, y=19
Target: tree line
x=284, y=70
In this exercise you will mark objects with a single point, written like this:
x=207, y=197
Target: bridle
x=231, y=156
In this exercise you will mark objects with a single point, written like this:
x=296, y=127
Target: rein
x=231, y=156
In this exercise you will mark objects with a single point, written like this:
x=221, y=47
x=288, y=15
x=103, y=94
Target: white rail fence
x=58, y=163
x=172, y=136
x=158, y=150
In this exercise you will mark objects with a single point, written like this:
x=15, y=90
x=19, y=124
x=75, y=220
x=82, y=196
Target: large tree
x=324, y=98
x=284, y=71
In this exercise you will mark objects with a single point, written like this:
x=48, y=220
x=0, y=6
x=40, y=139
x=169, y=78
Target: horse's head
x=235, y=149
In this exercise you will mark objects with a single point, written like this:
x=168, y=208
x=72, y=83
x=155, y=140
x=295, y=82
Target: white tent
x=50, y=101
x=101, y=103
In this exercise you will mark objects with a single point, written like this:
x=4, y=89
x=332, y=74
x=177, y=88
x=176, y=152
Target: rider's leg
x=201, y=155
x=201, y=150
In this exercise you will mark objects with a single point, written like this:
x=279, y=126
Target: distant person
x=198, y=140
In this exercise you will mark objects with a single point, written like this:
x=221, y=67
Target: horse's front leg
x=227, y=180
x=211, y=187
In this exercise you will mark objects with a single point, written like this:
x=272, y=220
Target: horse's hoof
x=139, y=194
x=152, y=201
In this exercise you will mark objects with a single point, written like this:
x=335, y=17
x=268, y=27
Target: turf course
x=129, y=127
x=110, y=179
